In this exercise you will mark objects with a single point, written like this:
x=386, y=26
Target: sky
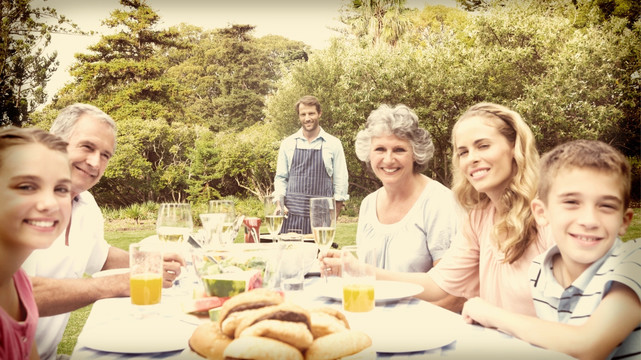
x=309, y=21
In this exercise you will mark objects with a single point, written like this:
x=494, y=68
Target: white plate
x=110, y=272
x=384, y=291
x=401, y=332
x=150, y=335
x=112, y=327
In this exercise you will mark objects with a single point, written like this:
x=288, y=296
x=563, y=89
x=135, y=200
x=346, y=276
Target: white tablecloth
x=397, y=325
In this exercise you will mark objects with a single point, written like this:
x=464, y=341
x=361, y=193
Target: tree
x=229, y=73
x=377, y=21
x=233, y=164
x=568, y=82
x=125, y=74
x=473, y=5
x=25, y=68
x=587, y=11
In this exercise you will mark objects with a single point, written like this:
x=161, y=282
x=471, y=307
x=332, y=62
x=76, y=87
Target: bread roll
x=338, y=345
x=261, y=348
x=208, y=341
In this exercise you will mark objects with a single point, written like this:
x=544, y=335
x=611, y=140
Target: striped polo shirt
x=575, y=304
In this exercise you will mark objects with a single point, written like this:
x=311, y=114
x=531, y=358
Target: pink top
x=475, y=256
x=17, y=337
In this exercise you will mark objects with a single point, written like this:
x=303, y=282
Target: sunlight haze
x=309, y=21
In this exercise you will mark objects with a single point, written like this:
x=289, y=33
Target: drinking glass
x=291, y=270
x=224, y=210
x=145, y=274
x=273, y=216
x=174, y=225
x=145, y=279
x=323, y=222
x=358, y=278
x=212, y=224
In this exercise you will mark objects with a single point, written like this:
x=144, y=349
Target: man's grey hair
x=68, y=117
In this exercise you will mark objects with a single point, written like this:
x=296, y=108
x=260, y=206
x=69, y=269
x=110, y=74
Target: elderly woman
x=412, y=218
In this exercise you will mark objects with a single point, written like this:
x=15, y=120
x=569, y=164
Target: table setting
x=401, y=327
x=157, y=323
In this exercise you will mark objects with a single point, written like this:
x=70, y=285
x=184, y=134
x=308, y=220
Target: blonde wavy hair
x=515, y=228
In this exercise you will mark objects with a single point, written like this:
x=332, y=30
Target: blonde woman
x=495, y=166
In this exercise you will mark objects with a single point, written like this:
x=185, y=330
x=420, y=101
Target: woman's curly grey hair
x=399, y=121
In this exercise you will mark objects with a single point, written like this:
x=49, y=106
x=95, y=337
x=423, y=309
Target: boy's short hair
x=584, y=154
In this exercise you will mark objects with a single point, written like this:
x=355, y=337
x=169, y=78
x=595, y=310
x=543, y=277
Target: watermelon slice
x=201, y=306
x=230, y=284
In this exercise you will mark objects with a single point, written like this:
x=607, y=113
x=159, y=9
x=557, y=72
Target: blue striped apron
x=308, y=178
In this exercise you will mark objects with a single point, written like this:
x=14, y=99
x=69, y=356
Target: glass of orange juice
x=145, y=276
x=358, y=266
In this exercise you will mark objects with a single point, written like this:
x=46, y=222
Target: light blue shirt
x=333, y=158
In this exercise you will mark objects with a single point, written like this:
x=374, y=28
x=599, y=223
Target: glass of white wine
x=322, y=216
x=273, y=216
x=174, y=224
x=224, y=210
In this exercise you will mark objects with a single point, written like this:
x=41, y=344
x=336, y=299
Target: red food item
x=202, y=305
x=255, y=282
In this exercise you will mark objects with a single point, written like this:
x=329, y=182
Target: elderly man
x=57, y=272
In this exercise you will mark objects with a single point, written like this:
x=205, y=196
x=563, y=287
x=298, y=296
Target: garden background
x=201, y=112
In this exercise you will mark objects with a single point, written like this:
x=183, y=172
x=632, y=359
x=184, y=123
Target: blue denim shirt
x=333, y=157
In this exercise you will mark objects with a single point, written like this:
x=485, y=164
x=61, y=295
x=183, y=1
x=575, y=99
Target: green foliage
x=25, y=67
x=201, y=113
x=233, y=163
x=584, y=11
x=377, y=21
x=136, y=212
x=180, y=98
x=567, y=82
x=229, y=73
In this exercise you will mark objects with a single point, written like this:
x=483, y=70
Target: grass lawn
x=345, y=235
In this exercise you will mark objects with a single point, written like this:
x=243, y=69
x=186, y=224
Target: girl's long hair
x=515, y=228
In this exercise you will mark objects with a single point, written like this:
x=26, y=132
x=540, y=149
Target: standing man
x=311, y=163
x=57, y=272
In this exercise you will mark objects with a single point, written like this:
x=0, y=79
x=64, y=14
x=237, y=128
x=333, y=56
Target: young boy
x=587, y=287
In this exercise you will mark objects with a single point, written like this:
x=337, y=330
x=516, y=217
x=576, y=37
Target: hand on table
x=477, y=310
x=171, y=268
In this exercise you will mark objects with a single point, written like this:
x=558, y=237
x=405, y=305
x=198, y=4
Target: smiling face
x=485, y=156
x=585, y=211
x=35, y=187
x=391, y=159
x=309, y=118
x=91, y=145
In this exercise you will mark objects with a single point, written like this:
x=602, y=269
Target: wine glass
x=322, y=215
x=224, y=211
x=273, y=216
x=174, y=224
